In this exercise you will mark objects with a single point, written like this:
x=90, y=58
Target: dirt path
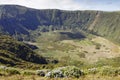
x=31, y=43
x=95, y=21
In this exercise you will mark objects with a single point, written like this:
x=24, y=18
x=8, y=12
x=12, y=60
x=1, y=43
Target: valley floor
x=71, y=51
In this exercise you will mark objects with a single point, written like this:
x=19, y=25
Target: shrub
x=72, y=72
x=69, y=71
x=93, y=71
x=29, y=73
x=81, y=55
x=11, y=71
x=109, y=71
x=3, y=68
x=42, y=72
x=98, y=46
x=55, y=73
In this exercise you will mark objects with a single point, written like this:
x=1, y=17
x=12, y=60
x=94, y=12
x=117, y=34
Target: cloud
x=46, y=4
x=106, y=5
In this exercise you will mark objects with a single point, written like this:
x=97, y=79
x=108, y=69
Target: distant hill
x=18, y=21
x=13, y=52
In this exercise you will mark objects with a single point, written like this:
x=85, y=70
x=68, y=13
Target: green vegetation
x=64, y=43
x=69, y=71
x=14, y=52
x=81, y=52
x=95, y=22
x=104, y=71
x=62, y=73
x=109, y=62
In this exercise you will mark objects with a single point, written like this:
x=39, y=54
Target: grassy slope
x=63, y=47
x=102, y=23
x=100, y=73
x=107, y=25
x=14, y=52
x=76, y=51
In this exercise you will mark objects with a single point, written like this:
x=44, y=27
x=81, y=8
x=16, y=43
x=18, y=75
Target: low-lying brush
x=109, y=71
x=29, y=72
x=62, y=72
x=69, y=71
x=104, y=71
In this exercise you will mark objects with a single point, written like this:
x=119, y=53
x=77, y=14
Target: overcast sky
x=104, y=5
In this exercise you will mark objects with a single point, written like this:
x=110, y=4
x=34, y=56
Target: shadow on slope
x=73, y=35
x=13, y=52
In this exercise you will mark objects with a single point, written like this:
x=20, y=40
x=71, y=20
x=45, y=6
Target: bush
x=69, y=71
x=93, y=71
x=3, y=68
x=109, y=71
x=98, y=46
x=81, y=55
x=72, y=72
x=42, y=72
x=12, y=71
x=29, y=73
x=55, y=73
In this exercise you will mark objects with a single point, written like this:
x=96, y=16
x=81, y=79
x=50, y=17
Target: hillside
x=50, y=43
x=78, y=51
x=20, y=21
x=23, y=20
x=53, y=29
x=13, y=52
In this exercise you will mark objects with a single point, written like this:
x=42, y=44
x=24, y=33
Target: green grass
x=66, y=50
x=14, y=52
x=100, y=73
